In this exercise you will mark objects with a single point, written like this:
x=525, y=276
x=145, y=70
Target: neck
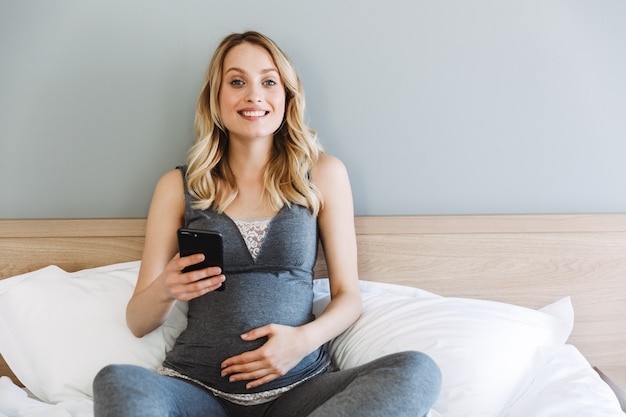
x=248, y=161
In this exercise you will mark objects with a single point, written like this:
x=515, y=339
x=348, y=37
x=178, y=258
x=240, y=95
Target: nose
x=254, y=94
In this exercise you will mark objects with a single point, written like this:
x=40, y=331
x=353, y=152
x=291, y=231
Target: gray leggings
x=401, y=384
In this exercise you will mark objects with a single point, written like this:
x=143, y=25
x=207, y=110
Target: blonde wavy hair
x=296, y=149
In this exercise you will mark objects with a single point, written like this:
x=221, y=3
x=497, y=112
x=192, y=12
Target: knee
x=106, y=390
x=110, y=375
x=420, y=371
x=121, y=390
x=418, y=362
x=112, y=380
x=104, y=376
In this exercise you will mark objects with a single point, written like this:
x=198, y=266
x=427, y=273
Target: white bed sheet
x=565, y=386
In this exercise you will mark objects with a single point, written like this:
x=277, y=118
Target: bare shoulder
x=327, y=161
x=328, y=169
x=168, y=200
x=172, y=180
x=169, y=187
x=330, y=176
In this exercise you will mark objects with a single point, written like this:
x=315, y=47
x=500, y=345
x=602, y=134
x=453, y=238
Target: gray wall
x=436, y=107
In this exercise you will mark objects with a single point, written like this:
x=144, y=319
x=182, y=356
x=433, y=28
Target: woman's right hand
x=184, y=286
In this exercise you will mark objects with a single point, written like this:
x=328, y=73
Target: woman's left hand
x=284, y=348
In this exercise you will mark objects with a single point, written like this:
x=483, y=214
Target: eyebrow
x=237, y=69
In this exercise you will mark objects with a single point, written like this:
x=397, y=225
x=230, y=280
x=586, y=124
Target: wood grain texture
x=527, y=260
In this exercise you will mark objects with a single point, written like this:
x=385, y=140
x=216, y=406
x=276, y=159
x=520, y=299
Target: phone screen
x=207, y=242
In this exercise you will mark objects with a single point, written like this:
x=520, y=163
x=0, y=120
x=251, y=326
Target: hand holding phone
x=207, y=242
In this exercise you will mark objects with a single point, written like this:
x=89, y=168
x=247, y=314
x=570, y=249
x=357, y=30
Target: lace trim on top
x=243, y=399
x=253, y=233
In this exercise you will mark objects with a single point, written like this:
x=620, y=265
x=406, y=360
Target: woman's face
x=252, y=95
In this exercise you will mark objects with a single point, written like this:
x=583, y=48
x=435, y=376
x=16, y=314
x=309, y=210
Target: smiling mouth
x=256, y=113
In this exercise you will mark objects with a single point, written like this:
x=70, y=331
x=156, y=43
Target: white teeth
x=253, y=113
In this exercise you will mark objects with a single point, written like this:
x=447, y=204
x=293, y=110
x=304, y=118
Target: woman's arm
x=337, y=233
x=160, y=282
x=286, y=346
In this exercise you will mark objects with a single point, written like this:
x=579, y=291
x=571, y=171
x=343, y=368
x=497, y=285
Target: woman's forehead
x=247, y=57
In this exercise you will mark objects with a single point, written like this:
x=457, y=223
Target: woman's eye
x=269, y=83
x=236, y=83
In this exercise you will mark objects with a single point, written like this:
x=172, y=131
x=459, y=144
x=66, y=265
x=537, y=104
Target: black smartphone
x=207, y=242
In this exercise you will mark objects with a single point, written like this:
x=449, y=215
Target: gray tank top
x=277, y=288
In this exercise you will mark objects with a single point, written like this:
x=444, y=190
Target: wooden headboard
x=528, y=260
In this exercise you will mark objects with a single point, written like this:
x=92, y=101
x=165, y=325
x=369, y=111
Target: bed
x=525, y=314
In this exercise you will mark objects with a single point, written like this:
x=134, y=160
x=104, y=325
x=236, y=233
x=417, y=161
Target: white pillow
x=566, y=385
x=484, y=349
x=58, y=329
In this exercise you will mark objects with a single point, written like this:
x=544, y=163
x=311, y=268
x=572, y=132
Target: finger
x=186, y=295
x=190, y=285
x=254, y=378
x=203, y=277
x=258, y=333
x=261, y=381
x=212, y=273
x=204, y=285
x=248, y=372
x=237, y=363
x=185, y=261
